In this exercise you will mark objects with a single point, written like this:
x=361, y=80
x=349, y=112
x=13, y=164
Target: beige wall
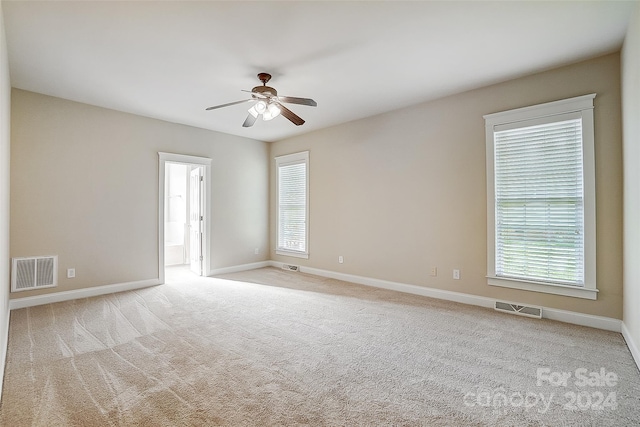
x=400, y=192
x=84, y=186
x=631, y=120
x=5, y=121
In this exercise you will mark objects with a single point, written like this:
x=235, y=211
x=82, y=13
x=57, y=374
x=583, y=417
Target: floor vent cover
x=290, y=267
x=34, y=273
x=522, y=310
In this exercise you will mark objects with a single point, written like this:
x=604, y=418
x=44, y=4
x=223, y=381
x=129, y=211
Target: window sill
x=547, y=288
x=293, y=254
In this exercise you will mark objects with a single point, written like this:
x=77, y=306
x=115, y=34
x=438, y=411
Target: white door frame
x=163, y=159
x=196, y=218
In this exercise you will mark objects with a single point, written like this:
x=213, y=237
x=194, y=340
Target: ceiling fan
x=269, y=104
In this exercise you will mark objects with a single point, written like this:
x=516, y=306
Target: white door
x=196, y=219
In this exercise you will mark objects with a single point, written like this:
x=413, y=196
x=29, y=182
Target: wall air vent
x=34, y=273
x=290, y=267
x=521, y=310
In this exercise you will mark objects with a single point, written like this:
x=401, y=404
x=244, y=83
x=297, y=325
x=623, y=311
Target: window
x=541, y=198
x=292, y=177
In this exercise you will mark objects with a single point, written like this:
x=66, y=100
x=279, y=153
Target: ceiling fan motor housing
x=265, y=90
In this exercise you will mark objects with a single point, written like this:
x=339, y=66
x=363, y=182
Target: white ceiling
x=171, y=60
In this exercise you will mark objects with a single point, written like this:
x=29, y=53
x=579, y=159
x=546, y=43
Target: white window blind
x=539, y=203
x=292, y=176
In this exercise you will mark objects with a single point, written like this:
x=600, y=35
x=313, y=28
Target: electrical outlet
x=456, y=274
x=433, y=271
x=256, y=251
x=340, y=259
x=71, y=273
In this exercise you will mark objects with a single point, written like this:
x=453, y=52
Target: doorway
x=184, y=213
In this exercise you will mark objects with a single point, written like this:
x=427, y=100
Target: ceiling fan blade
x=249, y=121
x=302, y=101
x=255, y=94
x=293, y=117
x=229, y=104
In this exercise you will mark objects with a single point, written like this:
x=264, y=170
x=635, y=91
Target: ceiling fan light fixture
x=260, y=107
x=272, y=111
x=254, y=112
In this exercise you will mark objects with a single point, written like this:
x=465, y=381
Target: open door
x=196, y=216
x=195, y=192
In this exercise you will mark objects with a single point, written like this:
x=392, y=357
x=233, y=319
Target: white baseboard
x=633, y=346
x=79, y=293
x=598, y=322
x=239, y=268
x=403, y=287
x=109, y=289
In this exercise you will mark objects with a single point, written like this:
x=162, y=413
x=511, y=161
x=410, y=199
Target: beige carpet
x=269, y=347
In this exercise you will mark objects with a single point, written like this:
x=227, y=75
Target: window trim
x=286, y=160
x=584, y=106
